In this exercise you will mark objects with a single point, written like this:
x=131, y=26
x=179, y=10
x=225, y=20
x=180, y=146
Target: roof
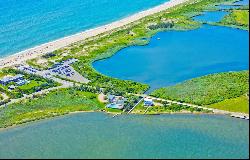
x=148, y=99
x=8, y=79
x=111, y=96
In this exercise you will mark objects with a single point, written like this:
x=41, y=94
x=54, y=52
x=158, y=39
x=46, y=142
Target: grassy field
x=239, y=104
x=209, y=89
x=237, y=18
x=53, y=104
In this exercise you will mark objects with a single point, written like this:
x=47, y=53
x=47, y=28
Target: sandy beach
x=34, y=52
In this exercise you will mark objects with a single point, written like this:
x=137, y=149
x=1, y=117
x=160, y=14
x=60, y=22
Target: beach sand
x=34, y=52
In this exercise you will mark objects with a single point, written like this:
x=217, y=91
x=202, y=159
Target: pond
x=175, y=56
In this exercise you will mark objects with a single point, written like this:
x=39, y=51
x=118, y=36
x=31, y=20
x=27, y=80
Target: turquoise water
x=242, y=2
x=227, y=6
x=180, y=55
x=96, y=135
x=215, y=16
x=27, y=23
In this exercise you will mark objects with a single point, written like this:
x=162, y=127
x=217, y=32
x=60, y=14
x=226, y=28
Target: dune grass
x=208, y=89
x=55, y=103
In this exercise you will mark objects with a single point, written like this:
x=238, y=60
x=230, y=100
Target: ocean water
x=179, y=56
x=27, y=23
x=97, y=135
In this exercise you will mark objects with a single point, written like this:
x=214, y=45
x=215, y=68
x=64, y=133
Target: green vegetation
x=167, y=108
x=175, y=108
x=239, y=104
x=238, y=18
x=36, y=83
x=209, y=89
x=55, y=103
x=40, y=66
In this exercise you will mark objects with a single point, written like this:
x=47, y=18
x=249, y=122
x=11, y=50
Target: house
x=116, y=102
x=22, y=82
x=11, y=87
x=111, y=98
x=148, y=102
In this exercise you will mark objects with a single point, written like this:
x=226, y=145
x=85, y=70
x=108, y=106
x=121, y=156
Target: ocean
x=28, y=23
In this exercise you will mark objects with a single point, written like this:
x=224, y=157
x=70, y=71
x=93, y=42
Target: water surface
x=27, y=23
x=180, y=55
x=211, y=16
x=96, y=135
x=242, y=2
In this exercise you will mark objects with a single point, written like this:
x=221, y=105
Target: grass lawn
x=239, y=104
x=31, y=85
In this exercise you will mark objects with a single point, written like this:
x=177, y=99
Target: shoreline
x=111, y=114
x=42, y=49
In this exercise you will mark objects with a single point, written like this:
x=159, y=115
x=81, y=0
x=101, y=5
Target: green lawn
x=53, y=104
x=208, y=89
x=239, y=104
x=31, y=85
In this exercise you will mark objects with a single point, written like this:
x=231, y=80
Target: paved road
x=216, y=111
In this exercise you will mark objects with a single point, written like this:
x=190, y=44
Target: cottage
x=148, y=102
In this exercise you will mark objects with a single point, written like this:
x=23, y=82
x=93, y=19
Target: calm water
x=242, y=2
x=215, y=16
x=96, y=135
x=180, y=55
x=27, y=23
x=227, y=6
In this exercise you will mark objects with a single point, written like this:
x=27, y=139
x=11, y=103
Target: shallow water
x=242, y=2
x=180, y=55
x=214, y=16
x=27, y=23
x=96, y=135
x=235, y=5
x=227, y=6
